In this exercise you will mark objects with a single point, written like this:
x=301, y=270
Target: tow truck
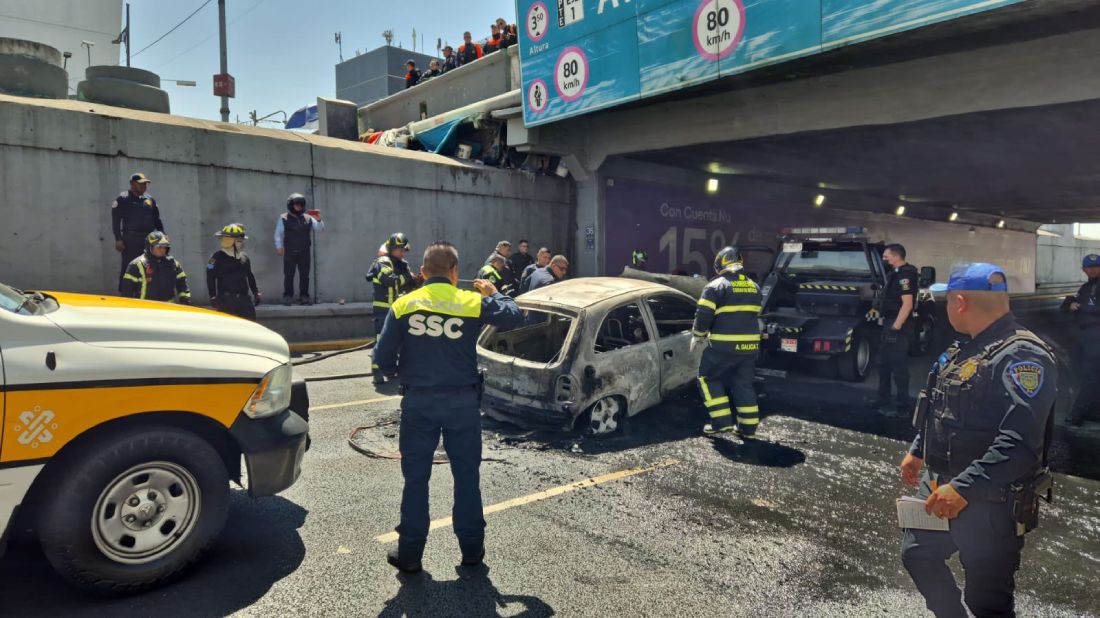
x=822, y=300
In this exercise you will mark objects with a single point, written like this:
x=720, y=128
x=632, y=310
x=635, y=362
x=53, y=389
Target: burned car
x=597, y=349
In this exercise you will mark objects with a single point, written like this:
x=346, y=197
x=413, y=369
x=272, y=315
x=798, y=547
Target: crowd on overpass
x=502, y=35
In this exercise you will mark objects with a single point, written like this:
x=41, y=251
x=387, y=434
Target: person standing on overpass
x=899, y=297
x=134, y=215
x=429, y=340
x=1085, y=307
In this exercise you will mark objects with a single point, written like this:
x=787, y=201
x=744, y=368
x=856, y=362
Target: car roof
x=588, y=291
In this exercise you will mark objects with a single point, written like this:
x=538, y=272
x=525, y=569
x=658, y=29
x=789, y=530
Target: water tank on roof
x=29, y=69
x=123, y=87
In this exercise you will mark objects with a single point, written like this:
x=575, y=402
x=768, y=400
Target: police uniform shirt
x=994, y=399
x=899, y=283
x=727, y=314
x=434, y=331
x=135, y=216
x=1088, y=316
x=228, y=274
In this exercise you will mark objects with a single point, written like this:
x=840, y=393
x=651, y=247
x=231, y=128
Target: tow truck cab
x=821, y=300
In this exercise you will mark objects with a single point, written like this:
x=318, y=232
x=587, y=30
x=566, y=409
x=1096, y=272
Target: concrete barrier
x=62, y=163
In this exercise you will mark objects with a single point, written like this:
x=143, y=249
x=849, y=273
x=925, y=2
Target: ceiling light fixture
x=712, y=185
x=953, y=217
x=1001, y=224
x=900, y=211
x=819, y=201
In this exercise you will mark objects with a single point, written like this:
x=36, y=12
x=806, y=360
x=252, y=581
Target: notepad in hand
x=911, y=514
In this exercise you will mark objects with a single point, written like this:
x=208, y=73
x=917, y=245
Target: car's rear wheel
x=134, y=510
x=852, y=366
x=605, y=416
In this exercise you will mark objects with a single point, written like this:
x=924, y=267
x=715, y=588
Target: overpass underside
x=982, y=129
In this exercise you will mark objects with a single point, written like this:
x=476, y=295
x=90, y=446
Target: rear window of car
x=541, y=339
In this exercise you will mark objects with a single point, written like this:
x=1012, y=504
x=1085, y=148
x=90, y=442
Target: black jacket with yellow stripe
x=728, y=314
x=392, y=279
x=151, y=278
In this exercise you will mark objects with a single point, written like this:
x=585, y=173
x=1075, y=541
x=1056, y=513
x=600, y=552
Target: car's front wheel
x=134, y=510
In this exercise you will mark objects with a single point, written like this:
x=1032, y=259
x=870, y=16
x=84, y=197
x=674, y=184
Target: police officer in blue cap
x=1085, y=307
x=983, y=427
x=429, y=340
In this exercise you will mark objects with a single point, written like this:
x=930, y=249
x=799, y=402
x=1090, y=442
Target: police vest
x=441, y=324
x=965, y=412
x=899, y=283
x=138, y=215
x=297, y=232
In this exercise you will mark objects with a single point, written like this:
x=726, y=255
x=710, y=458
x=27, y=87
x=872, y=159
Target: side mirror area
x=927, y=276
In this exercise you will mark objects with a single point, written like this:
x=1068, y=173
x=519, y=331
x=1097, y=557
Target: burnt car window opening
x=672, y=315
x=540, y=341
x=621, y=328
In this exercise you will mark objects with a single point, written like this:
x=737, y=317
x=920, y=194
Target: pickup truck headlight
x=273, y=393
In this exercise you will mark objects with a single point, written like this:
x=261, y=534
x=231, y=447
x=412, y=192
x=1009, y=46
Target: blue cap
x=974, y=277
x=1090, y=260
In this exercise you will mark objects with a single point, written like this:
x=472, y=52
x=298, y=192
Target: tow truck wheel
x=133, y=510
x=605, y=416
x=853, y=364
x=922, y=337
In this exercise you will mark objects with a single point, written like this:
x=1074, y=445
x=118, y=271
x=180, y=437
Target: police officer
x=982, y=429
x=156, y=275
x=542, y=259
x=391, y=277
x=493, y=271
x=293, y=241
x=727, y=319
x=429, y=339
x=638, y=259
x=897, y=303
x=134, y=215
x=229, y=279
x=520, y=260
x=554, y=272
x=1085, y=308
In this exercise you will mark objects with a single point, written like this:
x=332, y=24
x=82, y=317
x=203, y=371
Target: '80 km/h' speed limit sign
x=718, y=27
x=571, y=74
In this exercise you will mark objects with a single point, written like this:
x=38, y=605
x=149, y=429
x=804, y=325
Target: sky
x=282, y=52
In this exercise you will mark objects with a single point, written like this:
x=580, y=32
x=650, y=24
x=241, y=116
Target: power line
x=174, y=28
x=214, y=34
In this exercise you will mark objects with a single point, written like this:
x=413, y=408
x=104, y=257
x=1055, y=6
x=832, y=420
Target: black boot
x=288, y=301
x=473, y=558
x=394, y=558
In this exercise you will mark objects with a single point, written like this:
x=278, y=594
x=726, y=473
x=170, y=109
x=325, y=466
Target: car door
x=624, y=357
x=672, y=317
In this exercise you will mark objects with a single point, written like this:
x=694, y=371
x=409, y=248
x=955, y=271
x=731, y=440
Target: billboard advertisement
x=579, y=56
x=682, y=229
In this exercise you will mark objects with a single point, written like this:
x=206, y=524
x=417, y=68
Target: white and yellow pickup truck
x=124, y=422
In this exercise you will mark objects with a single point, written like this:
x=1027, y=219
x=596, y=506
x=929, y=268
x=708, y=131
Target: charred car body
x=600, y=348
x=823, y=298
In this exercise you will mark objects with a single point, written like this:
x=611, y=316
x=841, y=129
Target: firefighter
x=391, y=277
x=898, y=300
x=134, y=215
x=1085, y=307
x=294, y=241
x=983, y=432
x=155, y=274
x=727, y=320
x=229, y=278
x=429, y=340
x=507, y=283
x=638, y=259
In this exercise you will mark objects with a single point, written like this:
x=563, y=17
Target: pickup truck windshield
x=828, y=262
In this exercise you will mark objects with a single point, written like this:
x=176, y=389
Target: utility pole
x=340, y=45
x=127, y=34
x=224, y=57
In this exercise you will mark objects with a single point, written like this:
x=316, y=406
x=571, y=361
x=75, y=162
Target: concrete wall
x=494, y=74
x=1059, y=259
x=66, y=161
x=64, y=25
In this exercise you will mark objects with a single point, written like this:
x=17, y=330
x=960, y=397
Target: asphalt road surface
x=799, y=522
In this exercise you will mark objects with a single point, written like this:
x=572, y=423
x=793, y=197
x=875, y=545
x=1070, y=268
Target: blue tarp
x=304, y=118
x=441, y=139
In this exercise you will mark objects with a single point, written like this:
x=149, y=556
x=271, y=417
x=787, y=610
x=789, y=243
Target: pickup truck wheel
x=853, y=364
x=134, y=510
x=605, y=416
x=923, y=332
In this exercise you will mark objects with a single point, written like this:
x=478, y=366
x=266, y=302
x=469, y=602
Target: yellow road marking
x=543, y=495
x=348, y=404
